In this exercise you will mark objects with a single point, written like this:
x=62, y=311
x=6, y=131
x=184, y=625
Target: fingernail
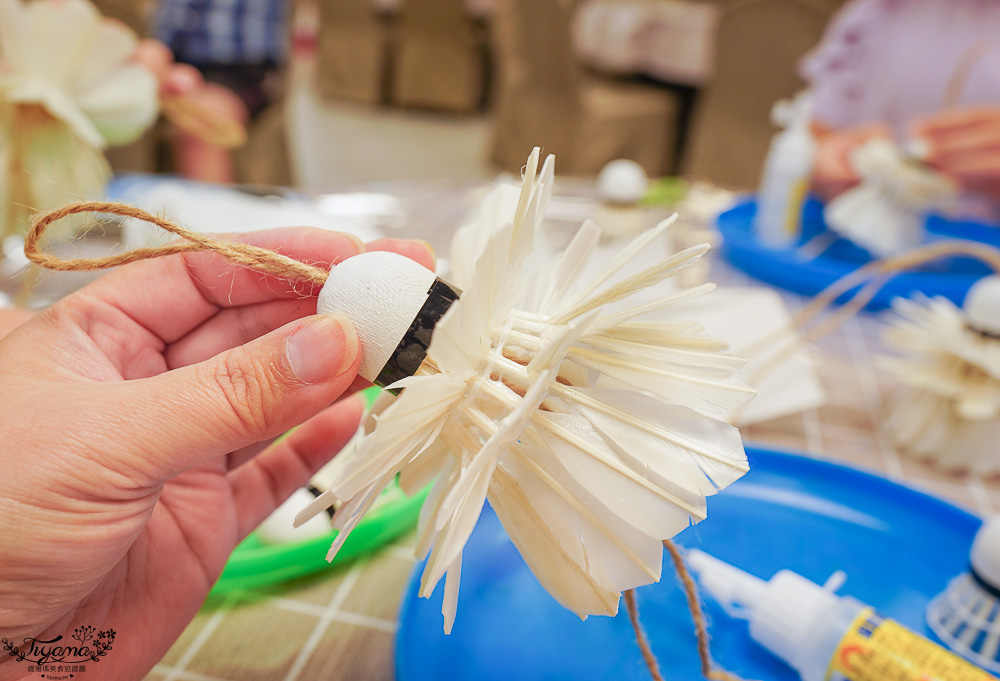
x=322, y=349
x=430, y=248
x=356, y=239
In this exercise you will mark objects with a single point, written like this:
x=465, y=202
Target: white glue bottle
x=824, y=636
x=787, y=174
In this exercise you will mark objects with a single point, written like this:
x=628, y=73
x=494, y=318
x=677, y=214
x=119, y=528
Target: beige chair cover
x=439, y=57
x=352, y=51
x=543, y=98
x=758, y=47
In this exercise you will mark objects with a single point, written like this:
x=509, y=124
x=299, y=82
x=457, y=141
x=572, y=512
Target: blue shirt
x=228, y=32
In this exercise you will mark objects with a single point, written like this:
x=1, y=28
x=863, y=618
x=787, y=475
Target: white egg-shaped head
x=985, y=555
x=982, y=305
x=622, y=181
x=381, y=293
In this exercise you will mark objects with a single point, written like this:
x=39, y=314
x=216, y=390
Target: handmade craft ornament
x=587, y=431
x=948, y=409
x=67, y=91
x=966, y=615
x=885, y=213
x=621, y=186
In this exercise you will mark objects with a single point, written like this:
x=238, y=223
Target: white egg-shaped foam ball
x=279, y=527
x=985, y=556
x=982, y=305
x=381, y=293
x=622, y=181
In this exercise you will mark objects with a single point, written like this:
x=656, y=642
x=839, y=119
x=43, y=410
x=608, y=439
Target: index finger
x=954, y=120
x=172, y=295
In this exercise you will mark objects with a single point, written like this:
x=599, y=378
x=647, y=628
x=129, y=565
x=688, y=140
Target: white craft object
x=279, y=529
x=67, y=90
x=756, y=324
x=382, y=292
x=948, y=408
x=966, y=615
x=740, y=318
x=586, y=430
x=622, y=181
x=621, y=184
x=885, y=213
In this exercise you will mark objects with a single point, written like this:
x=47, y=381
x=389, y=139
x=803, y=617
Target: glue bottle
x=823, y=636
x=787, y=174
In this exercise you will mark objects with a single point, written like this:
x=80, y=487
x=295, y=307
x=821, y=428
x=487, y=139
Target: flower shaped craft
x=67, y=91
x=586, y=428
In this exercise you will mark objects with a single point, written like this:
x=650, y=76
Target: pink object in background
x=893, y=60
x=670, y=40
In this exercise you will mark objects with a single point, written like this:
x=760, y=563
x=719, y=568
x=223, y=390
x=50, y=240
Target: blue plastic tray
x=898, y=546
x=791, y=270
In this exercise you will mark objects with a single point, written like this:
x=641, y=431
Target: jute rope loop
x=254, y=257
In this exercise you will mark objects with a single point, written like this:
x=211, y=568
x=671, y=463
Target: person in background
x=239, y=46
x=914, y=70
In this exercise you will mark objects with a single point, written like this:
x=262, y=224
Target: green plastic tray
x=256, y=564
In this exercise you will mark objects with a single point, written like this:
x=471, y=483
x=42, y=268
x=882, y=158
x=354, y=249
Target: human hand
x=174, y=79
x=964, y=144
x=204, y=113
x=13, y=317
x=833, y=173
x=136, y=419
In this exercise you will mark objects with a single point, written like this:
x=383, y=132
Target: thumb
x=254, y=392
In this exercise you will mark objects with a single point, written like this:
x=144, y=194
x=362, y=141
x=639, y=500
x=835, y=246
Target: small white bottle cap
x=381, y=293
x=787, y=619
x=622, y=181
x=982, y=305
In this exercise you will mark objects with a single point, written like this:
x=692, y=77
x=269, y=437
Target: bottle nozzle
x=736, y=591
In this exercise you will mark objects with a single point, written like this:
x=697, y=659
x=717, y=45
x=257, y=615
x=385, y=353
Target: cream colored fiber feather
x=67, y=90
x=948, y=406
x=588, y=433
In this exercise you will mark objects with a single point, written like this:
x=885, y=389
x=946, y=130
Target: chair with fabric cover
x=133, y=13
x=758, y=46
x=438, y=58
x=352, y=51
x=544, y=98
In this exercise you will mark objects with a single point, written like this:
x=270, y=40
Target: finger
x=235, y=326
x=263, y=483
x=155, y=56
x=833, y=173
x=415, y=249
x=977, y=171
x=172, y=295
x=187, y=416
x=181, y=79
x=241, y=456
x=953, y=120
x=948, y=150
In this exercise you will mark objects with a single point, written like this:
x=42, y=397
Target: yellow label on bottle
x=793, y=211
x=877, y=649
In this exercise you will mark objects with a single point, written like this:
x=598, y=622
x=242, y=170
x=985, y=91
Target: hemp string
x=294, y=270
x=239, y=253
x=871, y=278
x=700, y=624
